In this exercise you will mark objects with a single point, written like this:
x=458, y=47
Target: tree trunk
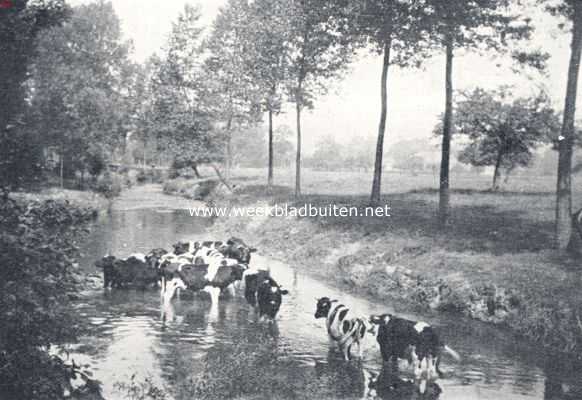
x=270, y=172
x=565, y=148
x=377, y=182
x=497, y=171
x=62, y=170
x=298, y=156
x=444, y=195
x=227, y=164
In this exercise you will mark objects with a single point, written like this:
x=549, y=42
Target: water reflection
x=389, y=385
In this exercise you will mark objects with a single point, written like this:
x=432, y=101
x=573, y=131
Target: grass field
x=494, y=262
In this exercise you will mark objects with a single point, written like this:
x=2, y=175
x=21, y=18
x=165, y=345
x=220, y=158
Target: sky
x=352, y=106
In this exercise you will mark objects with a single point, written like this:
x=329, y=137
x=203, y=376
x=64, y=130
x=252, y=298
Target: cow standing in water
x=263, y=293
x=210, y=271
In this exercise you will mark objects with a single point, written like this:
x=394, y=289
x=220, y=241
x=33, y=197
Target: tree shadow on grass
x=505, y=227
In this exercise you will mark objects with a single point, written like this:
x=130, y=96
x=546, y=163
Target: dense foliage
x=36, y=280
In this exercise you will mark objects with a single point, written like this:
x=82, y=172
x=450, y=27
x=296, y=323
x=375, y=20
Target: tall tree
x=503, y=130
x=321, y=49
x=394, y=31
x=232, y=86
x=476, y=25
x=180, y=110
x=572, y=10
x=81, y=84
x=21, y=21
x=268, y=60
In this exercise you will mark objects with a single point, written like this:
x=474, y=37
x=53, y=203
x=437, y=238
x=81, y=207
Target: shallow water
x=193, y=349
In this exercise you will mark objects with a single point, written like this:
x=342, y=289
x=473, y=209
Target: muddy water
x=195, y=350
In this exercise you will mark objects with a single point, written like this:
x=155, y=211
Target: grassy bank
x=494, y=263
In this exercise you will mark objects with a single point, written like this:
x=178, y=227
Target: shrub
x=36, y=280
x=141, y=176
x=109, y=185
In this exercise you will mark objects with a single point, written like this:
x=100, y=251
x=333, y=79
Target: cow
x=188, y=246
x=343, y=327
x=154, y=256
x=210, y=271
x=132, y=271
x=233, y=248
x=236, y=248
x=414, y=341
x=263, y=293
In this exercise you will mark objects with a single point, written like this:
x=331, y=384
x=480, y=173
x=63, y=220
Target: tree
x=503, y=131
x=231, y=85
x=394, y=30
x=81, y=84
x=321, y=49
x=477, y=25
x=180, y=109
x=571, y=10
x=328, y=154
x=268, y=60
x=20, y=26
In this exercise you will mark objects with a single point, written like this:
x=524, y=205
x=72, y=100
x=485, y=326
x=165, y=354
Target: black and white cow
x=236, y=248
x=414, y=341
x=132, y=271
x=263, y=293
x=210, y=271
x=233, y=248
x=154, y=256
x=343, y=327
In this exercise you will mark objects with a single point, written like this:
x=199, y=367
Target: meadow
x=495, y=262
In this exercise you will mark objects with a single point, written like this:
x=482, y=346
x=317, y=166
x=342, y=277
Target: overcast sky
x=416, y=97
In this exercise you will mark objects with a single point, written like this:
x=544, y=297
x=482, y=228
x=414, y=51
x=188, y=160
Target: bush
x=109, y=185
x=36, y=280
x=141, y=176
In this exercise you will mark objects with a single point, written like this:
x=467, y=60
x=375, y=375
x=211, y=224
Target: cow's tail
x=452, y=352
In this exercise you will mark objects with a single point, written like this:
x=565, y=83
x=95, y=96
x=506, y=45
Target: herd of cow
x=215, y=267
x=212, y=266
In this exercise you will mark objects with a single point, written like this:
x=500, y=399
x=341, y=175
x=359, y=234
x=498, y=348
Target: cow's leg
x=214, y=293
x=231, y=289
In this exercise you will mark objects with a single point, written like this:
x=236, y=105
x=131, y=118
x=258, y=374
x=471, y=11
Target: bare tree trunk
x=144, y=153
x=377, y=182
x=298, y=106
x=62, y=169
x=565, y=147
x=227, y=164
x=497, y=171
x=298, y=156
x=270, y=172
x=444, y=194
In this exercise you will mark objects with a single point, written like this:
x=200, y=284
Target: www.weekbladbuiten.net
x=285, y=210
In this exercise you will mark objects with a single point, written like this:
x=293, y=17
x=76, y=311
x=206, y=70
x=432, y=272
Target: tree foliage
x=503, y=131
x=36, y=279
x=20, y=26
x=81, y=86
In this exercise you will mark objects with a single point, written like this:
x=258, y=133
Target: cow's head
x=270, y=298
x=153, y=257
x=181, y=247
x=378, y=321
x=105, y=262
x=239, y=250
x=323, y=307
